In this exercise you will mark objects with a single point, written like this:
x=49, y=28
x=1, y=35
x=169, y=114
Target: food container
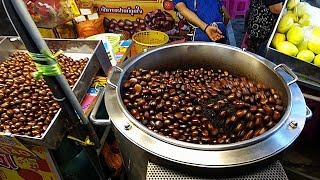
x=86, y=4
x=140, y=145
x=308, y=73
x=75, y=49
x=144, y=40
x=90, y=27
x=49, y=13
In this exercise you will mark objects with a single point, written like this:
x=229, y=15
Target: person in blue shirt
x=207, y=16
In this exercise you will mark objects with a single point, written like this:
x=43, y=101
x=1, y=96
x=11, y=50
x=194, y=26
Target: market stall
x=45, y=127
x=295, y=41
x=179, y=146
x=33, y=92
x=152, y=107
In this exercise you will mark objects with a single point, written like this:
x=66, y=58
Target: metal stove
x=274, y=171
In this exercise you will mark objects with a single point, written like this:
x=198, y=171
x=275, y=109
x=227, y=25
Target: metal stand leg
x=56, y=33
x=95, y=161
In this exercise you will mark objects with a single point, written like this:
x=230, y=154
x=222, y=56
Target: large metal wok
x=138, y=144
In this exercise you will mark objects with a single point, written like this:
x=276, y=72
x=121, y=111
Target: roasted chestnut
x=201, y=106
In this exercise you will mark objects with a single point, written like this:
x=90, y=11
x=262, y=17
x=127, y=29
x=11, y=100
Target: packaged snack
x=50, y=13
x=85, y=4
x=90, y=28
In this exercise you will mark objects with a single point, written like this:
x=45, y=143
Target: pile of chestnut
x=27, y=105
x=201, y=106
x=159, y=20
x=114, y=26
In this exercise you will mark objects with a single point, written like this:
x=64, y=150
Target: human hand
x=214, y=33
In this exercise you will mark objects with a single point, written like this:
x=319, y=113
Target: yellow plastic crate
x=148, y=39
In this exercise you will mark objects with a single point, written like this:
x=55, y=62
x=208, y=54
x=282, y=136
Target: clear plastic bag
x=49, y=13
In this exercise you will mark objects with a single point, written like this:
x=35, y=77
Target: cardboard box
x=19, y=162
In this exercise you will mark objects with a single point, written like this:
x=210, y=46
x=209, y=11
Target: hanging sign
x=134, y=15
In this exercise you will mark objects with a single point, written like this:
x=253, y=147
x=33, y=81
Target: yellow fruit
x=316, y=32
x=307, y=32
x=314, y=41
x=295, y=35
x=296, y=25
x=314, y=45
x=316, y=60
x=285, y=23
x=292, y=3
x=303, y=46
x=305, y=20
x=301, y=9
x=278, y=37
x=306, y=55
x=306, y=16
x=293, y=15
x=287, y=48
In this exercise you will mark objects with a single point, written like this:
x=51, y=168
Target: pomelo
x=293, y=15
x=316, y=60
x=303, y=45
x=305, y=20
x=301, y=9
x=295, y=35
x=314, y=41
x=292, y=3
x=285, y=24
x=316, y=32
x=314, y=45
x=278, y=37
x=287, y=48
x=306, y=55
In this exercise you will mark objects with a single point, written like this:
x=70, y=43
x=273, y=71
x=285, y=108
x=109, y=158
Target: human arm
x=213, y=32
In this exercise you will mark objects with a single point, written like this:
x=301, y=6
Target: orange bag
x=90, y=28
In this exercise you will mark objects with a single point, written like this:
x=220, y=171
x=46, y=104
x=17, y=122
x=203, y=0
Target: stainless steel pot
x=147, y=144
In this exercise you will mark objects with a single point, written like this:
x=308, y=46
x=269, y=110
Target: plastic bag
x=90, y=28
x=50, y=13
